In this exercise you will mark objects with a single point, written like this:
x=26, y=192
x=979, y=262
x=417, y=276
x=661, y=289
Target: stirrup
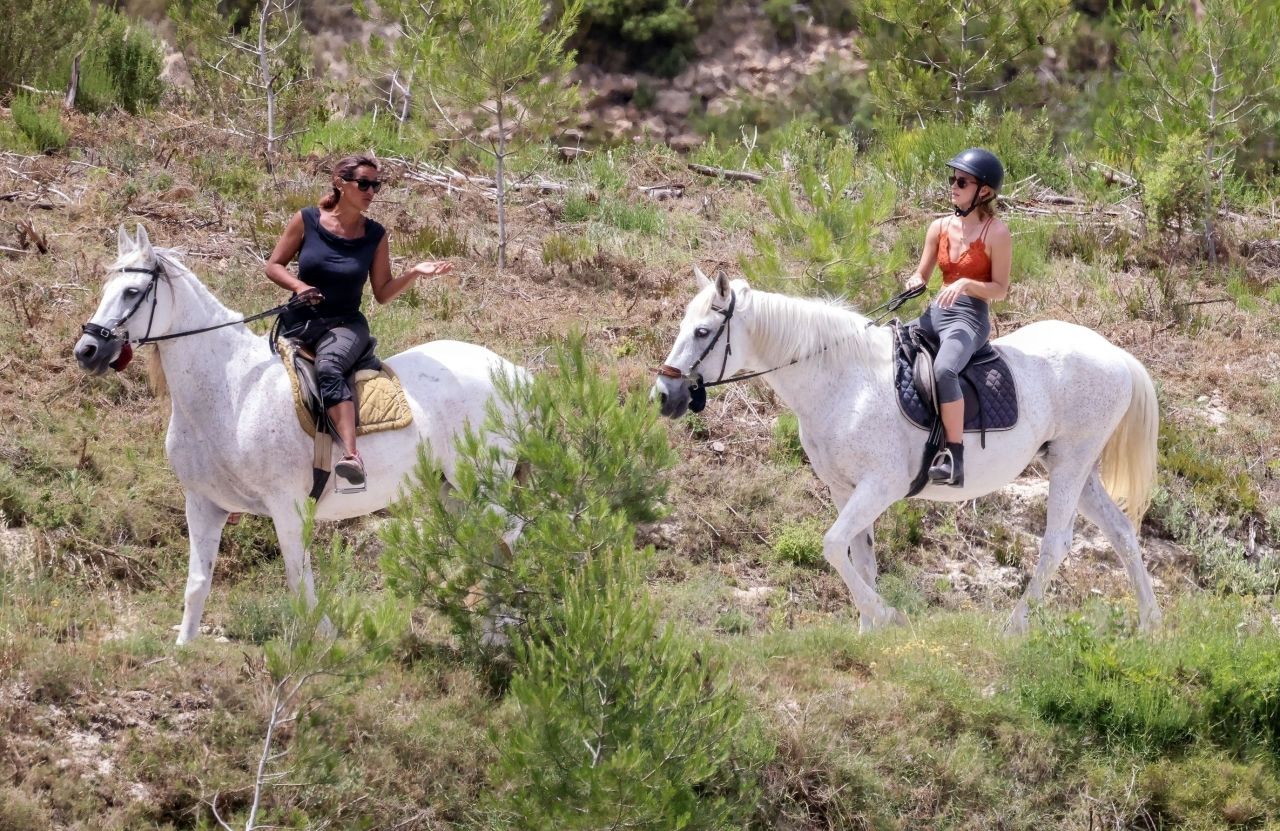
x=942, y=471
x=350, y=470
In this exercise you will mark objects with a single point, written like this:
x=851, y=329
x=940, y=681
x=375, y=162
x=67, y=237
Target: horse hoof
x=889, y=617
x=1018, y=624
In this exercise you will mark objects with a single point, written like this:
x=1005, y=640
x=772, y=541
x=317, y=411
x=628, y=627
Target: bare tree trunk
x=500, y=182
x=73, y=86
x=1211, y=209
x=268, y=84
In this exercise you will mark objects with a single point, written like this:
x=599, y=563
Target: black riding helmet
x=983, y=165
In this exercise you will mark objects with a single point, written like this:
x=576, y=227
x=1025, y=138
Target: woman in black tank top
x=338, y=248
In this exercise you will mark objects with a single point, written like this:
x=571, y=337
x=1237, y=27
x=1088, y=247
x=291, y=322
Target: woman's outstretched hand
x=913, y=281
x=432, y=268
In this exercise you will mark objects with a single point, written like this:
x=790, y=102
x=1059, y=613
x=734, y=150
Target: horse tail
x=1129, y=459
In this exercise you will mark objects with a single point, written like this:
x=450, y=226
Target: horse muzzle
x=675, y=396
x=96, y=355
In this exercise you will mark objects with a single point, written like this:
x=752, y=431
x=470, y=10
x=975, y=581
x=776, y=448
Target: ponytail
x=331, y=200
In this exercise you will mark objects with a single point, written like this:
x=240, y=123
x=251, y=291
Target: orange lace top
x=974, y=263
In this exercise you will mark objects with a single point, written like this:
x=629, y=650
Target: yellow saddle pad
x=380, y=401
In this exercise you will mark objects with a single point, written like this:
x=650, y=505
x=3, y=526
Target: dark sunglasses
x=960, y=181
x=365, y=184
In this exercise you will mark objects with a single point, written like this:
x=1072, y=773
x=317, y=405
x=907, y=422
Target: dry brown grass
x=95, y=694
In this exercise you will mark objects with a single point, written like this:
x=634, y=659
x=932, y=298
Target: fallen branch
x=661, y=192
x=723, y=173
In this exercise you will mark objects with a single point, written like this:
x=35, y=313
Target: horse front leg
x=205, y=521
x=847, y=546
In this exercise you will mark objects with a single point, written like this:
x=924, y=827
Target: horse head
x=130, y=310
x=704, y=351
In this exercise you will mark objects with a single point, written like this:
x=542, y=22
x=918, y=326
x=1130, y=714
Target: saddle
x=990, y=395
x=380, y=403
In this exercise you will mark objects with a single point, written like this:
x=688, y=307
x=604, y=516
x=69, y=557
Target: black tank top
x=335, y=265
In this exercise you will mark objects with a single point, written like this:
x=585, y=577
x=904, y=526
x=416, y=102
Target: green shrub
x=786, y=15
x=592, y=469
x=120, y=66
x=621, y=723
x=1173, y=192
x=255, y=618
x=799, y=544
x=899, y=530
x=431, y=242
x=827, y=216
x=915, y=156
x=655, y=35
x=1217, y=486
x=37, y=36
x=12, y=138
x=614, y=211
x=233, y=176
x=41, y=124
x=565, y=249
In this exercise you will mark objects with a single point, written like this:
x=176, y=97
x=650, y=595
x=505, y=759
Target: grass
x=944, y=724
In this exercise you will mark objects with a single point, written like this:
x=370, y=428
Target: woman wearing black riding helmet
x=974, y=250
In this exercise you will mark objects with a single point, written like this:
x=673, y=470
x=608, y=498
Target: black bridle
x=157, y=271
x=698, y=389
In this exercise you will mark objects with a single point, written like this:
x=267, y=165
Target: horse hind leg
x=204, y=530
x=1067, y=475
x=1102, y=511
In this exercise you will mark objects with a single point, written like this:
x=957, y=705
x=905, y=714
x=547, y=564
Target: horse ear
x=703, y=282
x=123, y=242
x=722, y=284
x=144, y=242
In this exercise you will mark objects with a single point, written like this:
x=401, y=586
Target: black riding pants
x=960, y=330
x=337, y=349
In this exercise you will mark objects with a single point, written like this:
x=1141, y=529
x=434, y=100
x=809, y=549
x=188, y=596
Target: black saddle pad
x=990, y=396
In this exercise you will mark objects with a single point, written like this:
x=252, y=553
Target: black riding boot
x=948, y=466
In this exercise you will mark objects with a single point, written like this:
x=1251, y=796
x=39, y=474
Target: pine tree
x=492, y=73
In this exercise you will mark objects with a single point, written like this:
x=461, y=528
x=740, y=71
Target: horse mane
x=790, y=328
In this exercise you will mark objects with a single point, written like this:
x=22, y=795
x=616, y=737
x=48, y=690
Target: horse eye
x=130, y=292
x=701, y=332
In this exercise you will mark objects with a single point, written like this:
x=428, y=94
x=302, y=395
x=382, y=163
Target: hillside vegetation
x=686, y=627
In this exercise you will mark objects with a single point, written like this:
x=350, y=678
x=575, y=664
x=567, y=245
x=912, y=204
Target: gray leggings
x=960, y=329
